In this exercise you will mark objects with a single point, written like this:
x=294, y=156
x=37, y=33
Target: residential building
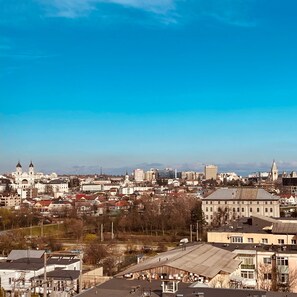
x=139, y=175
x=256, y=230
x=26, y=274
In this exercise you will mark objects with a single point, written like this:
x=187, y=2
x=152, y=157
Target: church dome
x=31, y=165
x=19, y=165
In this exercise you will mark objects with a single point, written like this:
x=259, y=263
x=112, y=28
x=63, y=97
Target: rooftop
x=241, y=194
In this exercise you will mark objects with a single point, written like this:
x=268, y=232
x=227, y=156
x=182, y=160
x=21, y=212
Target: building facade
x=233, y=203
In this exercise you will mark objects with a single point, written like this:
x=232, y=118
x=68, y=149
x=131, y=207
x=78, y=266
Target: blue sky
x=130, y=83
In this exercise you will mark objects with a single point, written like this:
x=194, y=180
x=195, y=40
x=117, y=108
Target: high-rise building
x=139, y=175
x=210, y=172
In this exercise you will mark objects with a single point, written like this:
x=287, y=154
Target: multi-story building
x=139, y=175
x=210, y=172
x=256, y=230
x=227, y=204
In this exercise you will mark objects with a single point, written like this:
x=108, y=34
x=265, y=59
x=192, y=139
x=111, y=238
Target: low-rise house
x=20, y=275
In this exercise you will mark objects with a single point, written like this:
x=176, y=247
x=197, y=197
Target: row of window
x=239, y=239
x=242, y=209
x=282, y=277
x=237, y=202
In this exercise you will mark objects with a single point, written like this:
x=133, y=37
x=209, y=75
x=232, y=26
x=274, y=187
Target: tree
x=95, y=252
x=222, y=217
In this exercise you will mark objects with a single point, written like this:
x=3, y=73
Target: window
x=264, y=240
x=211, y=209
x=236, y=239
x=250, y=240
x=9, y=280
x=206, y=217
x=238, y=209
x=247, y=262
x=233, y=209
x=219, y=202
x=258, y=209
x=206, y=209
x=282, y=261
x=267, y=276
x=271, y=210
x=283, y=277
x=251, y=210
x=247, y=274
x=293, y=241
x=242, y=209
x=206, y=202
x=281, y=241
x=267, y=260
x=266, y=209
x=225, y=202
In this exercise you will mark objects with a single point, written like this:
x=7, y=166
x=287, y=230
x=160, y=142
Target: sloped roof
x=284, y=228
x=241, y=194
x=19, y=254
x=202, y=259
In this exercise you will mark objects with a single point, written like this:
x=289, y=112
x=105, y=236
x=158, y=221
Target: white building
x=139, y=175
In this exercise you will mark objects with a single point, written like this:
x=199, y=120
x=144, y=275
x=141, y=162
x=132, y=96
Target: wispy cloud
x=231, y=12
x=81, y=8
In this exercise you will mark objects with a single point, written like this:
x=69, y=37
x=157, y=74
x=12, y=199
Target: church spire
x=274, y=171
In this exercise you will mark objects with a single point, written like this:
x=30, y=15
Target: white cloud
x=80, y=8
x=230, y=12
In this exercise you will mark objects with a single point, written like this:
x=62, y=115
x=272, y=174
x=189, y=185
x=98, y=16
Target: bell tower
x=31, y=169
x=274, y=171
x=19, y=169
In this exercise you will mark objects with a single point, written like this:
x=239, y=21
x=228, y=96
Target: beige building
x=226, y=204
x=210, y=172
x=264, y=267
x=267, y=249
x=256, y=230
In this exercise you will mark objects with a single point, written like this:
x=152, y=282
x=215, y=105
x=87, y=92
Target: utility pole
x=101, y=233
x=80, y=272
x=191, y=235
x=197, y=231
x=44, y=277
x=41, y=228
x=112, y=235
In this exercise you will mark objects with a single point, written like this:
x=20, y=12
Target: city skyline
x=118, y=83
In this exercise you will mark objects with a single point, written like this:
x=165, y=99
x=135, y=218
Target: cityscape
x=147, y=148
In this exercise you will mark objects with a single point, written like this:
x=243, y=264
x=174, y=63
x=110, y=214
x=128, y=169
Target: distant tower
x=274, y=171
x=19, y=169
x=127, y=176
x=31, y=169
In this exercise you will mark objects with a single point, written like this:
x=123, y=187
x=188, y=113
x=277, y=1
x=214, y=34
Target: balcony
x=248, y=266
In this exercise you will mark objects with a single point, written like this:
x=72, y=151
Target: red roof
x=44, y=202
